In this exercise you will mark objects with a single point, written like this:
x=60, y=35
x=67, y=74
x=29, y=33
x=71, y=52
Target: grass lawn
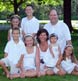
x=3, y=40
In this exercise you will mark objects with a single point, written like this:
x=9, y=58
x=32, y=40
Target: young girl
x=15, y=23
x=54, y=59
x=31, y=59
x=69, y=63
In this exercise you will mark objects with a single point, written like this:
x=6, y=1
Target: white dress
x=68, y=65
x=29, y=60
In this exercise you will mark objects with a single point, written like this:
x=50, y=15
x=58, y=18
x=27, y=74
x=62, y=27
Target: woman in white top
x=42, y=38
x=15, y=23
x=31, y=62
x=69, y=62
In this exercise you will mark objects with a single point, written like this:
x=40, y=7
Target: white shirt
x=14, y=50
x=61, y=30
x=30, y=26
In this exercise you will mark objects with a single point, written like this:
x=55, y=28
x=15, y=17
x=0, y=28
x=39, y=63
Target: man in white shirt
x=29, y=24
x=14, y=54
x=59, y=28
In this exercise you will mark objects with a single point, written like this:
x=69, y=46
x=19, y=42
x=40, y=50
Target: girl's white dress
x=49, y=59
x=68, y=65
x=29, y=60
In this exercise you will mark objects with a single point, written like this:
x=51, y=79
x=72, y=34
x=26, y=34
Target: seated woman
x=45, y=55
x=42, y=38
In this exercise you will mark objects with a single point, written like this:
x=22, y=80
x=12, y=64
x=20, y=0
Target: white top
x=68, y=65
x=21, y=35
x=47, y=58
x=29, y=59
x=61, y=30
x=14, y=50
x=30, y=26
x=55, y=49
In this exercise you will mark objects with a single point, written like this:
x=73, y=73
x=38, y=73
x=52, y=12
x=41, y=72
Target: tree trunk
x=15, y=7
x=67, y=14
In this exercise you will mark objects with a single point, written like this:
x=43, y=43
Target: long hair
x=73, y=59
x=15, y=17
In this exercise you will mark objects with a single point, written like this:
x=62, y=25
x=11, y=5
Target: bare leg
x=12, y=76
x=42, y=73
x=49, y=71
x=4, y=68
x=75, y=72
x=30, y=73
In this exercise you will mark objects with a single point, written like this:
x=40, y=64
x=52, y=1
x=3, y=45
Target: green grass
x=3, y=40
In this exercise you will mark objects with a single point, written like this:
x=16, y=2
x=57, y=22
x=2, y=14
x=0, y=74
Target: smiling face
x=53, y=17
x=29, y=41
x=29, y=11
x=15, y=34
x=68, y=51
x=53, y=40
x=15, y=22
x=43, y=37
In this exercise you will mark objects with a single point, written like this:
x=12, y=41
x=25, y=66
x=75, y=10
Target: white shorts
x=29, y=68
x=13, y=68
x=42, y=67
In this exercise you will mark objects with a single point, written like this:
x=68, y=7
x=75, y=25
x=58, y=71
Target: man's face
x=29, y=11
x=53, y=17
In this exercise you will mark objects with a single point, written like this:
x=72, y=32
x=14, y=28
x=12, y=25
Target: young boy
x=14, y=53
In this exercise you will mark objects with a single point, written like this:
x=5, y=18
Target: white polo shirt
x=30, y=26
x=14, y=50
x=61, y=30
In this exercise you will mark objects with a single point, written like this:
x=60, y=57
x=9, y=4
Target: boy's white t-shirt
x=61, y=30
x=30, y=26
x=14, y=50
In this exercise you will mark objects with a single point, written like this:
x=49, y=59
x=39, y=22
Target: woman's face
x=43, y=37
x=68, y=51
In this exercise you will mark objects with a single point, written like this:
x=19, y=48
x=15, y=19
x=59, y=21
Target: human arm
x=37, y=61
x=5, y=55
x=68, y=42
x=8, y=37
x=60, y=57
x=50, y=48
x=20, y=62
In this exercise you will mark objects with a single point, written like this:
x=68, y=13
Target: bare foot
x=7, y=75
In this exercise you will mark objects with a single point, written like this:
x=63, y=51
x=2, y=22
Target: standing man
x=30, y=24
x=59, y=28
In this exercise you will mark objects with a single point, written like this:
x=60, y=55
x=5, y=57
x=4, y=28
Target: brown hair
x=73, y=58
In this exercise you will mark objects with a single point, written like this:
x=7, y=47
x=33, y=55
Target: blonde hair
x=29, y=35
